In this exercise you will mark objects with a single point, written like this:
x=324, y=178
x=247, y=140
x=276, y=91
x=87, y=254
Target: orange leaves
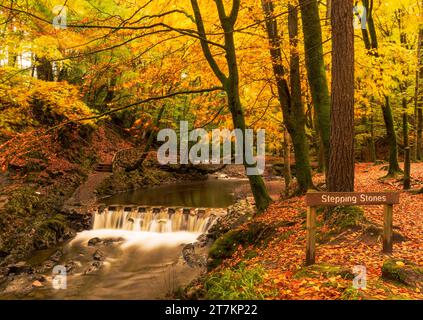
x=284, y=256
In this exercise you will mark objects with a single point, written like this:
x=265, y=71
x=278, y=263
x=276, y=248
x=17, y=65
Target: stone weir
x=156, y=218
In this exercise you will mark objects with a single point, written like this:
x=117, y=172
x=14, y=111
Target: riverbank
x=38, y=183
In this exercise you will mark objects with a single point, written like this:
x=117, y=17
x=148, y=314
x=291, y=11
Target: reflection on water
x=207, y=193
x=210, y=193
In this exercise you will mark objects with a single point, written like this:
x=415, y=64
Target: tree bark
x=386, y=108
x=299, y=138
x=394, y=167
x=372, y=145
x=407, y=165
x=419, y=98
x=368, y=4
x=287, y=162
x=290, y=96
x=230, y=82
x=316, y=72
x=341, y=160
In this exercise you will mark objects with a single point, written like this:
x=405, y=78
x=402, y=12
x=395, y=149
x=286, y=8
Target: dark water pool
x=211, y=193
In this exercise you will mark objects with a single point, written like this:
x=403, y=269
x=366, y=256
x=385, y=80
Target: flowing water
x=142, y=265
x=134, y=250
x=156, y=219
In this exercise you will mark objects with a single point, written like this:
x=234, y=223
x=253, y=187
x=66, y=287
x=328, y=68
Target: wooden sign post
x=334, y=199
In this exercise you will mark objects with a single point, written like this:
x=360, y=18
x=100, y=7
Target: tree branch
x=170, y=95
x=204, y=43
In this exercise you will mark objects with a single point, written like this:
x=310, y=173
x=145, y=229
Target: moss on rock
x=404, y=272
x=346, y=217
x=50, y=232
x=224, y=247
x=24, y=202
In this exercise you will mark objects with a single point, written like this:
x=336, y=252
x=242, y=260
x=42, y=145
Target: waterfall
x=156, y=219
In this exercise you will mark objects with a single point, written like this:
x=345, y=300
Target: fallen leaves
x=282, y=259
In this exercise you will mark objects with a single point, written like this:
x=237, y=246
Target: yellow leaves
x=400, y=263
x=47, y=47
x=28, y=101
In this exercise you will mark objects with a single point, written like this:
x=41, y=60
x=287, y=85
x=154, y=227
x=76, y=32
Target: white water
x=146, y=260
x=198, y=221
x=141, y=239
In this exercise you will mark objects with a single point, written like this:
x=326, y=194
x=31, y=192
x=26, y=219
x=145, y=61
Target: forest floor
x=283, y=257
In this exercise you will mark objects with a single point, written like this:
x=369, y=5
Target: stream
x=134, y=250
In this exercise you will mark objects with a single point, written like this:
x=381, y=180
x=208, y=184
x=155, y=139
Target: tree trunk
x=419, y=98
x=407, y=165
x=230, y=82
x=286, y=162
x=290, y=98
x=299, y=138
x=386, y=108
x=44, y=69
x=368, y=4
x=316, y=72
x=328, y=11
x=391, y=136
x=341, y=160
x=372, y=145
x=394, y=167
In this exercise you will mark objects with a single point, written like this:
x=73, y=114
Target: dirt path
x=85, y=195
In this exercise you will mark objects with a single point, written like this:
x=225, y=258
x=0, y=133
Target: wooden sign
x=332, y=199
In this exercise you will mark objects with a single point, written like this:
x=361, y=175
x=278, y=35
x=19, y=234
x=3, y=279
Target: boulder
x=98, y=255
x=19, y=268
x=55, y=257
x=404, y=272
x=94, y=241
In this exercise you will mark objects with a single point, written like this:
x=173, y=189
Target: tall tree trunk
x=407, y=165
x=394, y=167
x=230, y=82
x=372, y=145
x=315, y=64
x=368, y=4
x=286, y=162
x=290, y=98
x=319, y=148
x=299, y=137
x=391, y=136
x=419, y=98
x=328, y=11
x=386, y=108
x=341, y=160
